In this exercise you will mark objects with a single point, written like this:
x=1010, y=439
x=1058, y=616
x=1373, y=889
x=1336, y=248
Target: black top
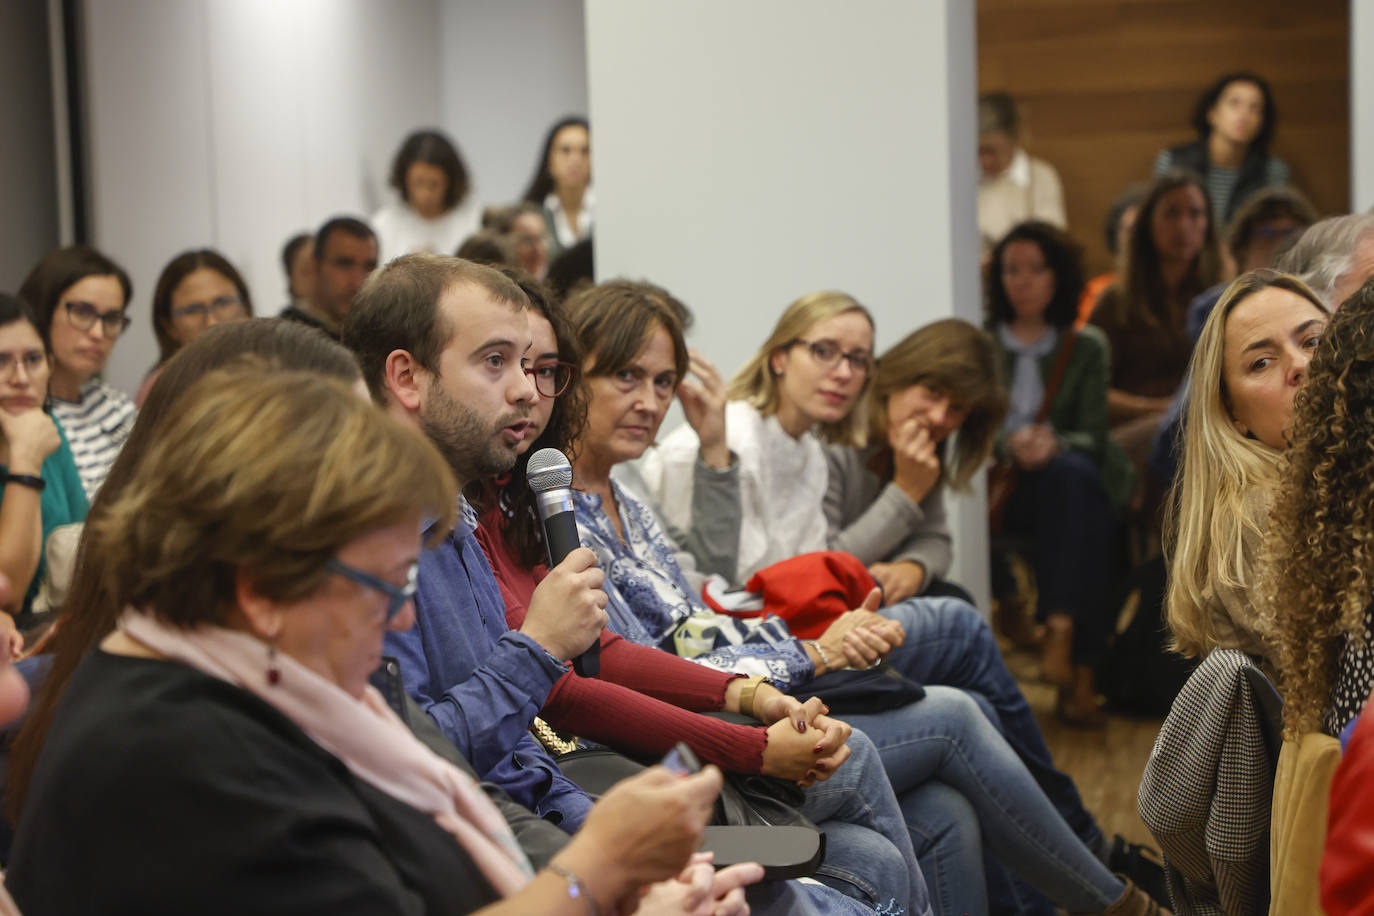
x=162, y=790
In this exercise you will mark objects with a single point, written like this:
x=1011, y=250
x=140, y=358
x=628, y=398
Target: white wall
x=236, y=123
x=1361, y=105
x=510, y=69
x=28, y=185
x=748, y=153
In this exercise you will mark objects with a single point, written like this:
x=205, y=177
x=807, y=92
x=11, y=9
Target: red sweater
x=642, y=700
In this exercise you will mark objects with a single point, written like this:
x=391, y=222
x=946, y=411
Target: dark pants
x=1062, y=516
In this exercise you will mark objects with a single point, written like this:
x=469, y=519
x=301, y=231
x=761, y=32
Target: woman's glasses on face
x=396, y=595
x=551, y=378
x=827, y=354
x=225, y=308
x=33, y=362
x=84, y=315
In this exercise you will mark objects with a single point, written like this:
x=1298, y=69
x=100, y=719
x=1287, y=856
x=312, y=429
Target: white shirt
x=400, y=230
x=782, y=484
x=562, y=227
x=1028, y=189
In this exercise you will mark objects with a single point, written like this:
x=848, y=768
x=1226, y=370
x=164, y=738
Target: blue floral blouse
x=652, y=604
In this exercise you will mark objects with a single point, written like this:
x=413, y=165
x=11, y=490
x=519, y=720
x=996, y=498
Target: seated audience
x=197, y=289
x=1059, y=460
x=1172, y=257
x=1267, y=223
x=1235, y=119
x=800, y=390
x=80, y=297
x=483, y=683
x=1249, y=362
x=633, y=355
x=433, y=210
x=1261, y=229
x=1334, y=256
x=345, y=253
x=562, y=184
x=1013, y=186
x=1116, y=230
x=298, y=264
x=1318, y=601
x=250, y=641
x=42, y=489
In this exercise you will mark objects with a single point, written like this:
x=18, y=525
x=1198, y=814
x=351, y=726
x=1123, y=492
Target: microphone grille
x=548, y=469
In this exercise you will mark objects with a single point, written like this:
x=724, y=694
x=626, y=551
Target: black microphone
x=550, y=477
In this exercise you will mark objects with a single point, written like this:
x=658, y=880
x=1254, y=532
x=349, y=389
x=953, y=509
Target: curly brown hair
x=1317, y=574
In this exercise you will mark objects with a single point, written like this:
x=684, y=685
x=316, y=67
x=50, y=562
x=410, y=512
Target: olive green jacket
x=1078, y=412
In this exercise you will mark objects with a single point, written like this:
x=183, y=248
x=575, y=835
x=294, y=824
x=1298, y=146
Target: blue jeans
x=868, y=851
x=946, y=739
x=948, y=643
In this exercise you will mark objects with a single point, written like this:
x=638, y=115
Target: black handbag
x=875, y=689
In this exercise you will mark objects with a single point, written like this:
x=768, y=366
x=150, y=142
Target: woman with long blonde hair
x=1316, y=570
x=800, y=390
x=1250, y=360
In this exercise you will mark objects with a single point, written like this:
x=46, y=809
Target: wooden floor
x=1105, y=764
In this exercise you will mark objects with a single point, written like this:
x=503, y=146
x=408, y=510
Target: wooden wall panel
x=1105, y=84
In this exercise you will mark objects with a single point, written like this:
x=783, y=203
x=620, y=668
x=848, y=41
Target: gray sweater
x=877, y=522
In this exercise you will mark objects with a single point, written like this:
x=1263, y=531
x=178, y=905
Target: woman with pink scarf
x=222, y=751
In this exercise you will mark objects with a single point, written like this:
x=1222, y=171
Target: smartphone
x=681, y=759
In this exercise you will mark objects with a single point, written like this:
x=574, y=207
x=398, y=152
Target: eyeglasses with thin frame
x=551, y=378
x=397, y=595
x=224, y=308
x=32, y=361
x=84, y=315
x=827, y=355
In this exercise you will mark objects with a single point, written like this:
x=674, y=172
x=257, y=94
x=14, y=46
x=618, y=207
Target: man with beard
x=441, y=341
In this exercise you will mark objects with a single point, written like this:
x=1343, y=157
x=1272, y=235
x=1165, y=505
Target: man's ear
x=262, y=614
x=401, y=376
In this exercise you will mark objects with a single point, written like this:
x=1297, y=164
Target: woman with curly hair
x=1250, y=361
x=1317, y=560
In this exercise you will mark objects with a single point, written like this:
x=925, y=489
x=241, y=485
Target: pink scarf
x=366, y=735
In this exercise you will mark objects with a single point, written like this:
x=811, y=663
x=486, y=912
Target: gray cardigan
x=877, y=522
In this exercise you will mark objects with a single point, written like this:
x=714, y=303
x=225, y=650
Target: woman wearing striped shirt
x=1234, y=120
x=80, y=296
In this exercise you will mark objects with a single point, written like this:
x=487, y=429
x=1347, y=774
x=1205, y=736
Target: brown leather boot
x=1135, y=902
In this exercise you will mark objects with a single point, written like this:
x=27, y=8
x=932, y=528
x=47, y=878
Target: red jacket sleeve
x=641, y=700
x=1347, y=873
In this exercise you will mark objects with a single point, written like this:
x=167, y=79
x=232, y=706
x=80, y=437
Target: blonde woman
x=1315, y=573
x=1250, y=361
x=801, y=389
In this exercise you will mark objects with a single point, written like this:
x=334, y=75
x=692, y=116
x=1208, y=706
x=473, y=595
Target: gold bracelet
x=746, y=694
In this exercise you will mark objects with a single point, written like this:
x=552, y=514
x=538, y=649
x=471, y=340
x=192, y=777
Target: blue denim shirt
x=480, y=681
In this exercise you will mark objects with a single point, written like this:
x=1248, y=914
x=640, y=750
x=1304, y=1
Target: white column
x=1361, y=105
x=748, y=153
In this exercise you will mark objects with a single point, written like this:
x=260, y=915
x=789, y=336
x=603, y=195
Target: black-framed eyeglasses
x=827, y=354
x=84, y=315
x=551, y=378
x=397, y=595
x=225, y=308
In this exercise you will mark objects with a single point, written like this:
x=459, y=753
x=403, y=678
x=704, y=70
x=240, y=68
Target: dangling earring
x=273, y=671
